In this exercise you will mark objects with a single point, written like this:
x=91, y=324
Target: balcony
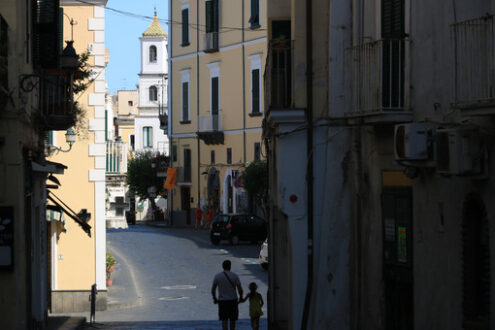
x=116, y=156
x=474, y=77
x=210, y=42
x=184, y=175
x=210, y=129
x=279, y=75
x=377, y=80
x=56, y=105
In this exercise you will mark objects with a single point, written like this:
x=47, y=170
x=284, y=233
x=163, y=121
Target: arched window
x=152, y=53
x=153, y=93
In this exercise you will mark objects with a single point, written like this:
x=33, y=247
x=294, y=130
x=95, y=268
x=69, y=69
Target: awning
x=171, y=177
x=48, y=167
x=67, y=210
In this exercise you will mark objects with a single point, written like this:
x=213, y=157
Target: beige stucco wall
x=234, y=56
x=76, y=251
x=124, y=96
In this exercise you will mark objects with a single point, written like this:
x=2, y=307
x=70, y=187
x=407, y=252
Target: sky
x=122, y=33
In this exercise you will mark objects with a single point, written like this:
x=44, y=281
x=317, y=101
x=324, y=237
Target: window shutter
x=185, y=101
x=212, y=157
x=216, y=15
x=209, y=16
x=393, y=19
x=257, y=151
x=214, y=96
x=49, y=38
x=185, y=26
x=187, y=165
x=255, y=79
x=255, y=10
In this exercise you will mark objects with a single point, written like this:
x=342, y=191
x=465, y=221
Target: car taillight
x=228, y=226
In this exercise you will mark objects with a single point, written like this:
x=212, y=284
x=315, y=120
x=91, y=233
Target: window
x=185, y=101
x=131, y=142
x=229, y=155
x=257, y=151
x=174, y=153
x=187, y=165
x=152, y=54
x=214, y=96
x=211, y=16
x=129, y=103
x=212, y=157
x=147, y=137
x=153, y=93
x=49, y=138
x=185, y=74
x=254, y=20
x=255, y=60
x=255, y=91
x=185, y=27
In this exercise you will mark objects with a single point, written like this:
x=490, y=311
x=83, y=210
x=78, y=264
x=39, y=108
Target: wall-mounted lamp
x=70, y=138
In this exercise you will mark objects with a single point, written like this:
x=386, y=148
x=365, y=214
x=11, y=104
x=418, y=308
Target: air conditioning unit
x=460, y=152
x=413, y=142
x=211, y=42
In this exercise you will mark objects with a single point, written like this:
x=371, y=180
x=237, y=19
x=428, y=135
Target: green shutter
x=209, y=16
x=214, y=96
x=255, y=80
x=185, y=26
x=255, y=10
x=185, y=101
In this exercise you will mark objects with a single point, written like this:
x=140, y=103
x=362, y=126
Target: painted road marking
x=251, y=261
x=224, y=251
x=179, y=287
x=173, y=298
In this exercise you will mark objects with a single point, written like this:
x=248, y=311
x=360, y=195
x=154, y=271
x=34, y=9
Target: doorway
x=397, y=257
x=185, y=197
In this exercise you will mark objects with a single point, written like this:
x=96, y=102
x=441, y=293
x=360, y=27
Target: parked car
x=264, y=254
x=238, y=227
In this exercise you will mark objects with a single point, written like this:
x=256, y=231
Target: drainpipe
x=170, y=201
x=243, y=87
x=197, y=104
x=309, y=155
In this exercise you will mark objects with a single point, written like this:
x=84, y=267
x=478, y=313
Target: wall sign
x=6, y=237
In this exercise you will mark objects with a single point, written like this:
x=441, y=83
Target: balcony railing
x=116, y=157
x=210, y=42
x=279, y=74
x=56, y=100
x=474, y=63
x=184, y=174
x=377, y=76
x=210, y=123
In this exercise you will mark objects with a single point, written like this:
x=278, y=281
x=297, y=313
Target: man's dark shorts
x=227, y=310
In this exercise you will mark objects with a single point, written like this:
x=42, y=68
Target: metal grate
x=474, y=65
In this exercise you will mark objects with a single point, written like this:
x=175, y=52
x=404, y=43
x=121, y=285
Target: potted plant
x=110, y=263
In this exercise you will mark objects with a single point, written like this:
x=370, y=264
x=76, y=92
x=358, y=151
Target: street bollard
x=92, y=298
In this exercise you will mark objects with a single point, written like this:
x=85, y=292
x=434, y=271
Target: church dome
x=155, y=29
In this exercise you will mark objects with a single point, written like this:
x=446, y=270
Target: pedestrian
x=228, y=284
x=255, y=304
x=209, y=218
x=198, y=217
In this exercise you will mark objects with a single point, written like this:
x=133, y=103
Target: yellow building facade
x=77, y=256
x=216, y=63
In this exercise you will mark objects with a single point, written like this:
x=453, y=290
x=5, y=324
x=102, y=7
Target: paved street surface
x=163, y=279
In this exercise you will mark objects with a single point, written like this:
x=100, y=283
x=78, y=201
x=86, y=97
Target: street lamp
x=70, y=138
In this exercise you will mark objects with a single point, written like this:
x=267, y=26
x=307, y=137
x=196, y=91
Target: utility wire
x=195, y=26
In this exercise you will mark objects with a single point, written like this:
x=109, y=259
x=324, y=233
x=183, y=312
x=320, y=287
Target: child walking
x=255, y=304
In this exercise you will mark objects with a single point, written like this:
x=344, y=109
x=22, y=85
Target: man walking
x=227, y=283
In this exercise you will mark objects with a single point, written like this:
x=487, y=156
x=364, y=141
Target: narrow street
x=163, y=278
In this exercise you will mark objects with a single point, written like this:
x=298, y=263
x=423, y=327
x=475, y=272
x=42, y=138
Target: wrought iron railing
x=278, y=76
x=210, y=123
x=377, y=74
x=474, y=77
